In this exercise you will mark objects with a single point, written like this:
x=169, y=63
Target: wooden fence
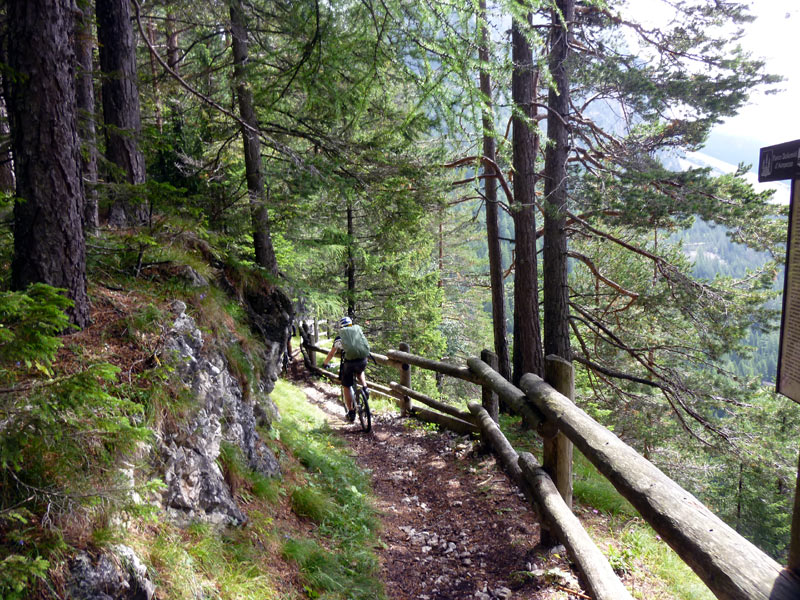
x=732, y=567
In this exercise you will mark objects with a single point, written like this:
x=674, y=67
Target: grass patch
x=341, y=563
x=310, y=503
x=203, y=562
x=591, y=488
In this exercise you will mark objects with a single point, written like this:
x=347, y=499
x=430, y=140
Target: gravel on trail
x=453, y=525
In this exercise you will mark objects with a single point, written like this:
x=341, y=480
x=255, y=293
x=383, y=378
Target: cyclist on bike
x=355, y=351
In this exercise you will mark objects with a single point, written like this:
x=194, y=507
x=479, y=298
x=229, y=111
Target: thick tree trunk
x=351, y=264
x=492, y=227
x=528, y=356
x=84, y=46
x=7, y=177
x=48, y=233
x=554, y=255
x=121, y=105
x=262, y=241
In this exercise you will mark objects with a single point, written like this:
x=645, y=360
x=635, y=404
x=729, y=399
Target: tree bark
x=7, y=177
x=528, y=357
x=554, y=252
x=151, y=34
x=173, y=49
x=48, y=233
x=351, y=264
x=121, y=113
x=84, y=47
x=490, y=193
x=262, y=241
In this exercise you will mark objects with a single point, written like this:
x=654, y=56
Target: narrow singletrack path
x=453, y=525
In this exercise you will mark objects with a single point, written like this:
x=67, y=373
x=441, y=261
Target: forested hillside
x=714, y=254
x=454, y=175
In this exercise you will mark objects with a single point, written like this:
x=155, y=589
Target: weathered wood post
x=778, y=163
x=304, y=339
x=794, y=547
x=405, y=380
x=557, y=455
x=489, y=398
x=316, y=339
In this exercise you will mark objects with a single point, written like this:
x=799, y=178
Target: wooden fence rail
x=732, y=567
x=601, y=580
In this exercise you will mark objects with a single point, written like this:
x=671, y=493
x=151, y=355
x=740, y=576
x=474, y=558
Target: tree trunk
x=121, y=106
x=351, y=265
x=554, y=255
x=48, y=233
x=490, y=192
x=528, y=356
x=7, y=177
x=173, y=50
x=262, y=241
x=151, y=34
x=84, y=47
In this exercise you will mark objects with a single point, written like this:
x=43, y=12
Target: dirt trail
x=453, y=526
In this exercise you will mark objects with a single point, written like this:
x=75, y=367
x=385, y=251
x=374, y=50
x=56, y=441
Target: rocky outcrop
x=115, y=575
x=195, y=485
x=271, y=315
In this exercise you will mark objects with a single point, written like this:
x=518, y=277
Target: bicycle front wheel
x=364, y=415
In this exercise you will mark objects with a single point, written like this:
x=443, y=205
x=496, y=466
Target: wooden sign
x=789, y=354
x=776, y=163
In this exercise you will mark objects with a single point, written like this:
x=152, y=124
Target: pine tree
x=49, y=245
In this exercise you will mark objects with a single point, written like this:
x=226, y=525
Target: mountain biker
x=355, y=351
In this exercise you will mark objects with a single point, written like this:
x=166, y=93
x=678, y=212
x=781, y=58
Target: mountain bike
x=360, y=402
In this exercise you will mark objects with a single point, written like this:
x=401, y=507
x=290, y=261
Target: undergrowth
x=308, y=534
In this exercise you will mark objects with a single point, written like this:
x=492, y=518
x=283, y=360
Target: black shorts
x=351, y=369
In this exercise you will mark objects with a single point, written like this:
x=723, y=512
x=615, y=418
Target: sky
x=772, y=119
x=767, y=119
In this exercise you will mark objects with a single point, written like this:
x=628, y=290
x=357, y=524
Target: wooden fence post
x=489, y=398
x=316, y=339
x=557, y=455
x=305, y=338
x=794, y=547
x=405, y=380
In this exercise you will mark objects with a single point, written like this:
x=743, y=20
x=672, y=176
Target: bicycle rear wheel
x=364, y=415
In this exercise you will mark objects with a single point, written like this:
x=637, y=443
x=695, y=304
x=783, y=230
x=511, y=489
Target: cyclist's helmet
x=345, y=322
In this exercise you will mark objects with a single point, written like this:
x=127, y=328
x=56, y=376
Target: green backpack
x=354, y=343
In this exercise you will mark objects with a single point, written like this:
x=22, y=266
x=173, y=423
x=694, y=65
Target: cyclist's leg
x=361, y=368
x=348, y=397
x=347, y=375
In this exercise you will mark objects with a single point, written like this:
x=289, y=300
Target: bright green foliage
x=60, y=433
x=18, y=573
x=29, y=328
